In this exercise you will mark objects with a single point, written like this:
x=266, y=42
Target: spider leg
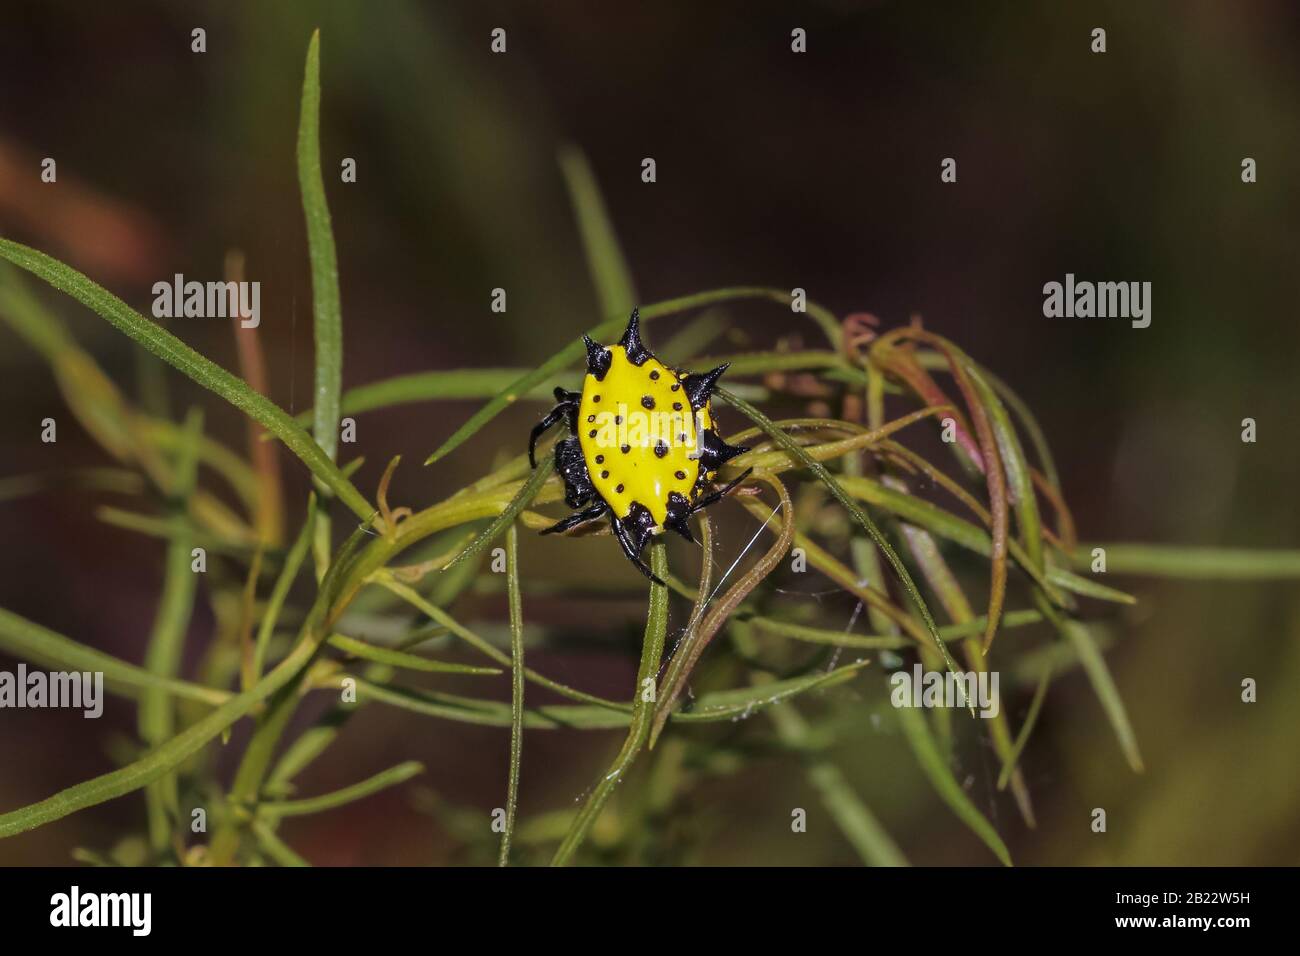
x=567, y=407
x=577, y=518
x=573, y=400
x=552, y=418
x=632, y=533
x=721, y=492
x=678, y=515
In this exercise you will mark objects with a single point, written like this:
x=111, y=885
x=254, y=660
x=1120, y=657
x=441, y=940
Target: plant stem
x=516, y=688
x=157, y=718
x=643, y=707
x=1174, y=561
x=347, y=575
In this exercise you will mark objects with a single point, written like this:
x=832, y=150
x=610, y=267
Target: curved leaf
x=325, y=305
x=179, y=355
x=918, y=735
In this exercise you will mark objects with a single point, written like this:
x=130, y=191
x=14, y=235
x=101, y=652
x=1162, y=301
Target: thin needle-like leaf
x=643, y=708
x=274, y=847
x=819, y=635
x=292, y=565
x=327, y=316
x=159, y=760
x=326, y=310
x=923, y=745
x=191, y=740
x=385, y=579
x=1019, y=482
x=818, y=469
x=157, y=719
x=854, y=818
x=605, y=262
x=712, y=707
x=697, y=639
x=1103, y=684
x=1191, y=563
x=966, y=535
x=944, y=583
x=428, y=387
x=176, y=353
x=522, y=499
x=1027, y=728
x=516, y=689
x=338, y=798
x=994, y=474
x=401, y=659
x=28, y=641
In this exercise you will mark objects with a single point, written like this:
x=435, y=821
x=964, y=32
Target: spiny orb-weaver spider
x=641, y=444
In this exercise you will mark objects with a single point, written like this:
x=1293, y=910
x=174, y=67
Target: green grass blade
x=643, y=708
x=821, y=635
x=1019, y=484
x=280, y=591
x=1193, y=563
x=179, y=355
x=306, y=748
x=326, y=309
x=818, y=635
x=338, y=798
x=1103, y=684
x=1086, y=587
x=159, y=760
x=693, y=337
x=944, y=583
x=271, y=844
x=327, y=316
x=167, y=436
x=29, y=318
x=416, y=600
x=963, y=533
x=157, y=717
x=854, y=818
x=608, y=268
x=190, y=741
x=516, y=690
x=817, y=468
x=527, y=492
x=923, y=745
x=401, y=659
x=1029, y=422
x=1026, y=728
x=113, y=480
x=30, y=642
x=713, y=707
x=1056, y=658
x=491, y=713
x=428, y=387
x=168, y=530
x=700, y=633
x=744, y=701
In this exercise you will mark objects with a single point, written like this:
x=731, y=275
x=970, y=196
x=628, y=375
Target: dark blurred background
x=817, y=170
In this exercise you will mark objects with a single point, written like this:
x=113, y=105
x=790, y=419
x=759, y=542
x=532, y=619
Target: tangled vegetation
x=841, y=489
